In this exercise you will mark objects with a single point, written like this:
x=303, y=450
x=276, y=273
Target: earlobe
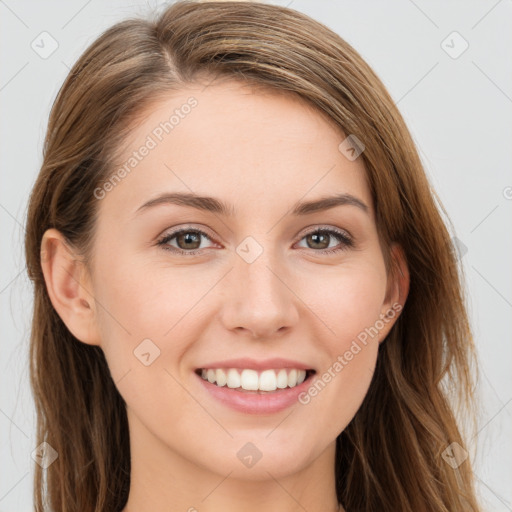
x=397, y=290
x=68, y=287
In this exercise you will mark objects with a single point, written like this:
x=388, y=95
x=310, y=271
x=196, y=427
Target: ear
x=69, y=287
x=396, y=292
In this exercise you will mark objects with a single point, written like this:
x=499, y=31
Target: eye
x=187, y=239
x=321, y=238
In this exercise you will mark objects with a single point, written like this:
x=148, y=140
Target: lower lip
x=254, y=403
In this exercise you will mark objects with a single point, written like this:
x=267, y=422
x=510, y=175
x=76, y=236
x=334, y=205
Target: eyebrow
x=213, y=205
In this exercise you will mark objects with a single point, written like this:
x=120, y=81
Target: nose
x=258, y=298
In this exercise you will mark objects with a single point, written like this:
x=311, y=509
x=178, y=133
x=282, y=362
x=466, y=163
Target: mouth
x=245, y=380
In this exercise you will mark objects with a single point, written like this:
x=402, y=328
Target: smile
x=249, y=380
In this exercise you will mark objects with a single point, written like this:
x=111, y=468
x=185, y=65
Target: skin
x=261, y=152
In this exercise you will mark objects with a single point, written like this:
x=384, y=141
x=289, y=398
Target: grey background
x=458, y=111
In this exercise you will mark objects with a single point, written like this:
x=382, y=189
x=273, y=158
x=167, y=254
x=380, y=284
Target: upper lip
x=254, y=364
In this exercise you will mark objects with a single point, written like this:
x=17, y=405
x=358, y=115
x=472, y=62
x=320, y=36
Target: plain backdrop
x=448, y=66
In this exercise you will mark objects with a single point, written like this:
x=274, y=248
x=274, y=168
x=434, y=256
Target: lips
x=254, y=364
x=255, y=401
x=256, y=386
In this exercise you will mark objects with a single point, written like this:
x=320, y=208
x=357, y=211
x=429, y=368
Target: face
x=257, y=286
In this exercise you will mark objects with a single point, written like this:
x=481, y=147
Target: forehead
x=252, y=148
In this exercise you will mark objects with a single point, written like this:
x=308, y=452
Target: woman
x=310, y=349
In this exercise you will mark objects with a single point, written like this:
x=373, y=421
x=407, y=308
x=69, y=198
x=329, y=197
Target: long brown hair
x=390, y=457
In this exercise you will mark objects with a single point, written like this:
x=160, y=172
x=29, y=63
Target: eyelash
x=346, y=241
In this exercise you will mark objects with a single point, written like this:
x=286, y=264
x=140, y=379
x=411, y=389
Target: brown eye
x=187, y=241
x=321, y=239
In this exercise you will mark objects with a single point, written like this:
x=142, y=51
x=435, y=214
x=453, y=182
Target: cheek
x=147, y=300
x=349, y=304
x=142, y=324
x=347, y=298
x=129, y=311
x=150, y=309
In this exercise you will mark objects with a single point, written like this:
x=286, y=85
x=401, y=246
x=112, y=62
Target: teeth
x=268, y=380
x=233, y=378
x=282, y=379
x=221, y=378
x=251, y=380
